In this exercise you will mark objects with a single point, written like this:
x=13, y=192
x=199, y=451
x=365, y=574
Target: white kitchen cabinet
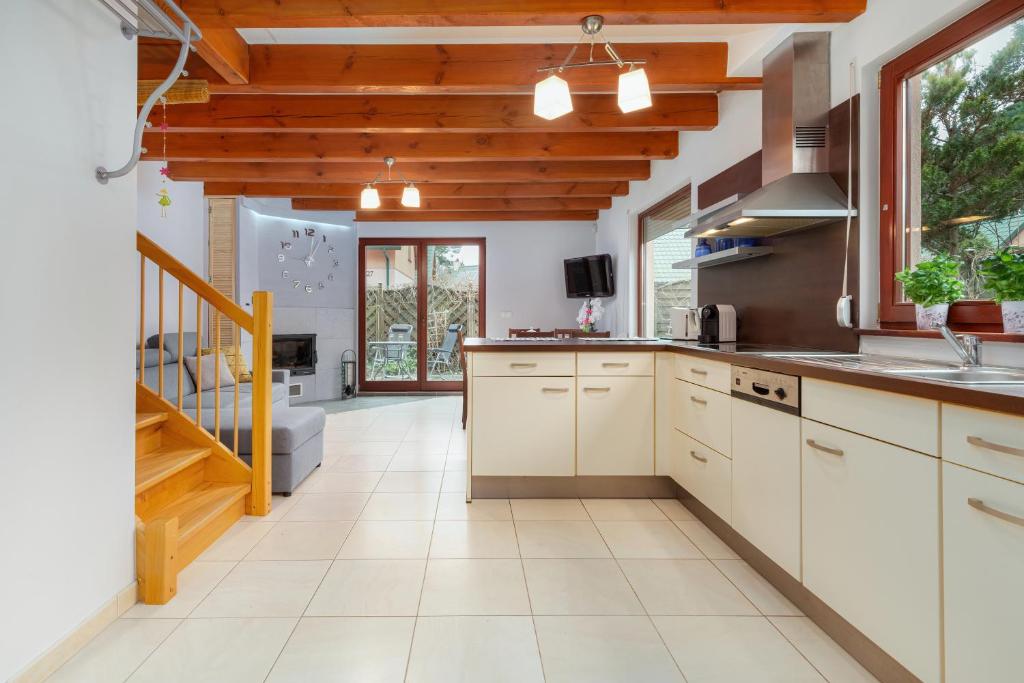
x=766, y=481
x=983, y=440
x=705, y=415
x=615, y=426
x=524, y=364
x=706, y=474
x=524, y=426
x=983, y=576
x=617, y=363
x=707, y=373
x=664, y=440
x=871, y=540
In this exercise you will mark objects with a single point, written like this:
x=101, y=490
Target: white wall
x=525, y=276
x=701, y=156
x=182, y=233
x=67, y=310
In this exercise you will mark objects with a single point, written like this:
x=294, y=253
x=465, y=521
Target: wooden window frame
x=641, y=261
x=893, y=313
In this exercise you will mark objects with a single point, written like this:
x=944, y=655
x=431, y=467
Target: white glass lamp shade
x=551, y=98
x=634, y=91
x=411, y=197
x=369, y=198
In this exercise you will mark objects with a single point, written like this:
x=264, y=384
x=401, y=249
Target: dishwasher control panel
x=770, y=389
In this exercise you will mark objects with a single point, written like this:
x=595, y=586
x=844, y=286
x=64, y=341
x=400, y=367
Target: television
x=589, y=276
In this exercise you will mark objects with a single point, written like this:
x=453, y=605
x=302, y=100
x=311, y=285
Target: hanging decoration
x=164, y=196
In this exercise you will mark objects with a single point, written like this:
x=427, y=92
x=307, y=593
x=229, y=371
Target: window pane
x=453, y=304
x=391, y=330
x=664, y=286
x=964, y=155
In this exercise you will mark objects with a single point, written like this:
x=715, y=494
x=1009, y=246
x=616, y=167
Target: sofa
x=297, y=444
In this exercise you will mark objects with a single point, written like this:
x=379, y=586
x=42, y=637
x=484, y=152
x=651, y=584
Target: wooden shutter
x=221, y=258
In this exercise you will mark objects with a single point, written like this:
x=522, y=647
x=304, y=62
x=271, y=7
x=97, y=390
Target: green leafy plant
x=1003, y=272
x=936, y=281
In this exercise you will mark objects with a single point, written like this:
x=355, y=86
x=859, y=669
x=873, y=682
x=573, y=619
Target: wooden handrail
x=205, y=290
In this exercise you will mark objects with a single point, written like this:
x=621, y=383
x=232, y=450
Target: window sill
x=934, y=334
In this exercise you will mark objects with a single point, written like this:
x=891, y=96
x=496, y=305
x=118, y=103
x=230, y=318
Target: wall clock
x=308, y=260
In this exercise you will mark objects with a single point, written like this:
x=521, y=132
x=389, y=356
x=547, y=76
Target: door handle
x=825, y=449
x=997, y=447
x=698, y=458
x=979, y=504
x=614, y=365
x=698, y=401
x=555, y=390
x=522, y=365
x=598, y=390
x=698, y=372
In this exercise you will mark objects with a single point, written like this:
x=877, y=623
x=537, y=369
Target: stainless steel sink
x=978, y=375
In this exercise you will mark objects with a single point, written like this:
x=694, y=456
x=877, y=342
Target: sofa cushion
x=292, y=426
x=278, y=394
x=153, y=358
x=188, y=343
x=210, y=368
x=170, y=373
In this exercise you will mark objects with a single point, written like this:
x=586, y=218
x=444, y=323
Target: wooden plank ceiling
x=313, y=122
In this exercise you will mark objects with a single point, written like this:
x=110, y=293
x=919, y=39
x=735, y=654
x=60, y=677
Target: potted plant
x=1003, y=273
x=932, y=286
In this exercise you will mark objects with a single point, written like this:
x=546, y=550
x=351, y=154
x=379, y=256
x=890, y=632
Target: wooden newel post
x=262, y=335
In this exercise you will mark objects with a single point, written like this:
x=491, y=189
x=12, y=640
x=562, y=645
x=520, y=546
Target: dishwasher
x=766, y=463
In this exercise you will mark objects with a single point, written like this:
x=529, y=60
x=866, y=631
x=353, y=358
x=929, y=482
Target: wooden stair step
x=164, y=462
x=202, y=505
x=143, y=420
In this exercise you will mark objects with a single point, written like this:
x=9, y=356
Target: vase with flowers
x=590, y=313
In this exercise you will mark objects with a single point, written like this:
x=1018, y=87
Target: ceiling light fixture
x=369, y=198
x=551, y=97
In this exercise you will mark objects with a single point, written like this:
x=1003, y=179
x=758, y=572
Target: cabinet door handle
x=555, y=390
x=698, y=372
x=698, y=458
x=997, y=447
x=979, y=504
x=825, y=449
x=614, y=365
x=698, y=401
x=599, y=390
x=522, y=365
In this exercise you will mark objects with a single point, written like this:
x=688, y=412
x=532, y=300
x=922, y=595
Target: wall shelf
x=719, y=258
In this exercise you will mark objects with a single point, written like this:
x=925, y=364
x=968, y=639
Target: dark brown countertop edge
x=909, y=386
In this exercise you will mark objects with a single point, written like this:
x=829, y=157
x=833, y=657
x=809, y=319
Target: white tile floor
x=377, y=570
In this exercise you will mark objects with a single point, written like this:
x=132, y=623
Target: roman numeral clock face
x=308, y=260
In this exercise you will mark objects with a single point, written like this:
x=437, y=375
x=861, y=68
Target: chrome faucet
x=966, y=346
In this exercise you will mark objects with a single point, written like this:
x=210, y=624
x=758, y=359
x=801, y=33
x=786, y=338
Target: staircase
x=189, y=487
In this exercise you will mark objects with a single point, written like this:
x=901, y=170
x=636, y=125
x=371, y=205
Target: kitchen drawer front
x=524, y=426
x=707, y=475
x=906, y=421
x=544, y=364
x=983, y=577
x=707, y=373
x=618, y=363
x=704, y=415
x=870, y=521
x=615, y=426
x=986, y=441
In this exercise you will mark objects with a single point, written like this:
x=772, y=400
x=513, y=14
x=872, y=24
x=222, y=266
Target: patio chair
x=444, y=355
x=387, y=356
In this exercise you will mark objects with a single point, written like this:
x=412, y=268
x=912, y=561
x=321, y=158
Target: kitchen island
x=869, y=465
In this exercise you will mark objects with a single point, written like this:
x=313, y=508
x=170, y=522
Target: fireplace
x=295, y=352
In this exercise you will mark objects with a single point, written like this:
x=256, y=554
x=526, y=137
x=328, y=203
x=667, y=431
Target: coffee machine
x=717, y=324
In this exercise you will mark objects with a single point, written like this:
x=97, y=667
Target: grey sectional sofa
x=297, y=434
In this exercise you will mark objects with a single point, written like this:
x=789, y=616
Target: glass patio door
x=416, y=297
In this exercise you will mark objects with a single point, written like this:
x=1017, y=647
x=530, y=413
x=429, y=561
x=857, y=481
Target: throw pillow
x=237, y=364
x=210, y=365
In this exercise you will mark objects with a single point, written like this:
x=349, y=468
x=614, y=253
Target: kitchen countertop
x=862, y=370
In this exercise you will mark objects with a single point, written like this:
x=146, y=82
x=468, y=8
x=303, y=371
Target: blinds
x=221, y=260
x=664, y=219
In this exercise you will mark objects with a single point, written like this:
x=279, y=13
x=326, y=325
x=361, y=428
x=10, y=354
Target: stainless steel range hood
x=797, y=191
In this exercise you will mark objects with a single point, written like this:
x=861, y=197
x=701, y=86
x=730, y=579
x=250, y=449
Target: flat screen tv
x=589, y=276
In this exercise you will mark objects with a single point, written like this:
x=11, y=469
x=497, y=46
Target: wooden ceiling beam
x=476, y=216
x=452, y=113
x=227, y=53
x=427, y=190
x=329, y=13
x=477, y=69
x=419, y=172
x=342, y=147
x=426, y=204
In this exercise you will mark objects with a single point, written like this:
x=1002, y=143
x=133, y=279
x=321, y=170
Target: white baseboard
x=55, y=657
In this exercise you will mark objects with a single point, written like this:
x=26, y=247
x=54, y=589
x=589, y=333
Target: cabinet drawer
x=622, y=363
x=870, y=521
x=906, y=421
x=704, y=415
x=557, y=364
x=707, y=373
x=615, y=426
x=707, y=475
x=524, y=426
x=983, y=577
x=986, y=441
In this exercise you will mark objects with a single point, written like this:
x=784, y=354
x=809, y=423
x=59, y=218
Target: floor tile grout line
x=795, y=647
x=419, y=601
x=529, y=598
x=151, y=652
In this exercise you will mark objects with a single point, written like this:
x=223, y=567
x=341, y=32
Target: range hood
x=797, y=191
